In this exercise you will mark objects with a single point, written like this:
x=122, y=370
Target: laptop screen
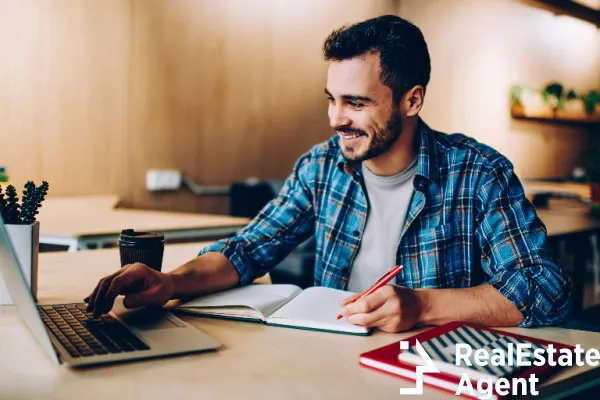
x=10, y=271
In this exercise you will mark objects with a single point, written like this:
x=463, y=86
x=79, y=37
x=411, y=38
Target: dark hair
x=401, y=46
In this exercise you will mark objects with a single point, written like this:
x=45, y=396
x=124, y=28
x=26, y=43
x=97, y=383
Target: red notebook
x=392, y=360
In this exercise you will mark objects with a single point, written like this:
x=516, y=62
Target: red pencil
x=380, y=282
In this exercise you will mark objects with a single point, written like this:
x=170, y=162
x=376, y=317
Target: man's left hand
x=390, y=308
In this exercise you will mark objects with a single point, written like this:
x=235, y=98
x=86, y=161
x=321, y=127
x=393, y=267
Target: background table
x=255, y=362
x=92, y=222
x=581, y=190
x=577, y=229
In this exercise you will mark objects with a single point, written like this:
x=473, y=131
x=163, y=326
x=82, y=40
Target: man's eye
x=331, y=100
x=355, y=104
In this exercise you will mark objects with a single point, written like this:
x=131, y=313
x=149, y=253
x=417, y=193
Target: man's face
x=361, y=108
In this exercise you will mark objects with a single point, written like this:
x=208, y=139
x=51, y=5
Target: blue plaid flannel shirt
x=468, y=224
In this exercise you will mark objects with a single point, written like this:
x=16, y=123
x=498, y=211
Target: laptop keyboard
x=82, y=335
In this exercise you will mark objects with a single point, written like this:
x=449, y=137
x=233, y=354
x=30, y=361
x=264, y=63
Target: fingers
x=91, y=299
x=369, y=320
x=381, y=316
x=119, y=285
x=395, y=314
x=350, y=299
x=368, y=303
x=113, y=285
x=148, y=297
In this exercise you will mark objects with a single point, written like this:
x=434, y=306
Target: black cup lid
x=131, y=237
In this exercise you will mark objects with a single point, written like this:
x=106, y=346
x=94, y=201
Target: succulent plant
x=24, y=213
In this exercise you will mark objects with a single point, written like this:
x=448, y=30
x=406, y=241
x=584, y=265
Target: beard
x=381, y=141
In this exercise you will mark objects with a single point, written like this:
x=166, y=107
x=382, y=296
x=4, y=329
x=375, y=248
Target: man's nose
x=337, y=117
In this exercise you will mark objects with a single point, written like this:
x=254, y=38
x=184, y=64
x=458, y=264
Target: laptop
x=71, y=336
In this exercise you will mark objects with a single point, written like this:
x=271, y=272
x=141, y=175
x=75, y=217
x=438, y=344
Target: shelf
x=562, y=120
x=569, y=7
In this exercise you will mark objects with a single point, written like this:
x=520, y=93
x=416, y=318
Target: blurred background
x=135, y=110
x=94, y=94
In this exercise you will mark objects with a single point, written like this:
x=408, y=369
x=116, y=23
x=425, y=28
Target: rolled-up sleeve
x=282, y=224
x=515, y=254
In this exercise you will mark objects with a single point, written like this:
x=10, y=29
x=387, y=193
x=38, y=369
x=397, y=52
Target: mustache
x=344, y=129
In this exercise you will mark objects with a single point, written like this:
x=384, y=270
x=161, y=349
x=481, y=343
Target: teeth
x=354, y=136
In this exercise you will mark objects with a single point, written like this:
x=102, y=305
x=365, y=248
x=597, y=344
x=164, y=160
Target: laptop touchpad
x=146, y=318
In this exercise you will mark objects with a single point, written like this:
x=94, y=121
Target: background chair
x=246, y=200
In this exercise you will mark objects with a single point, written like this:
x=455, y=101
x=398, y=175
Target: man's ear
x=413, y=100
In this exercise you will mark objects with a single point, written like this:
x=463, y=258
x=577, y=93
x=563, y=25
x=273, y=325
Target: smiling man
x=386, y=190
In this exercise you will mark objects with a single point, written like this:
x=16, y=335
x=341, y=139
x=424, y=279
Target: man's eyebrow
x=364, y=99
x=351, y=97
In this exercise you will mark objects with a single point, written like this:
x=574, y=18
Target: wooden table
x=581, y=190
x=255, y=361
x=578, y=229
x=562, y=223
x=92, y=222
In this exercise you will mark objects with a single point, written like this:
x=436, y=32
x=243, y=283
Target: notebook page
x=316, y=308
x=228, y=311
x=263, y=298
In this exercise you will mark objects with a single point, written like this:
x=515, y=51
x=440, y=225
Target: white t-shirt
x=389, y=198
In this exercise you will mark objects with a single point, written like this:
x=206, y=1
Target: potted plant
x=553, y=95
x=591, y=101
x=527, y=102
x=573, y=107
x=23, y=229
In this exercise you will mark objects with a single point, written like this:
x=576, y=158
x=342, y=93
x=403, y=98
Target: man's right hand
x=140, y=284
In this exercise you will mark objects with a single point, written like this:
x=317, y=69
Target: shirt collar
x=427, y=166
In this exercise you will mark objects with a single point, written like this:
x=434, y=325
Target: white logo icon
x=428, y=367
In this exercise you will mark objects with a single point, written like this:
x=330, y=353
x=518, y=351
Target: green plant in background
x=553, y=100
x=24, y=213
x=590, y=100
x=516, y=92
x=553, y=95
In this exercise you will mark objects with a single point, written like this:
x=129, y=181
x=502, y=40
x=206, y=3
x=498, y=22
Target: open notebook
x=314, y=308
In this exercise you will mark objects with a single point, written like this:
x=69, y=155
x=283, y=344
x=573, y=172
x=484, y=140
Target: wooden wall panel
x=66, y=92
x=21, y=30
x=94, y=93
x=98, y=92
x=230, y=90
x=479, y=49
x=86, y=92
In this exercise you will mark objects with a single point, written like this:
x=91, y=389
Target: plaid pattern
x=468, y=223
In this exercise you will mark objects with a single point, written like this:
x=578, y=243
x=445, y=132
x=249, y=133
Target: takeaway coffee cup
x=143, y=247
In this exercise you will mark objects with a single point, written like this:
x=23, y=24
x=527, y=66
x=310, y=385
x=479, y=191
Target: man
x=386, y=190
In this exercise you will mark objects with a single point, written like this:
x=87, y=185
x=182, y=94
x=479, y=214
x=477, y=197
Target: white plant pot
x=25, y=240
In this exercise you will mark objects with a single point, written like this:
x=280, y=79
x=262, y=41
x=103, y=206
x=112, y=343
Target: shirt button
x=356, y=233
